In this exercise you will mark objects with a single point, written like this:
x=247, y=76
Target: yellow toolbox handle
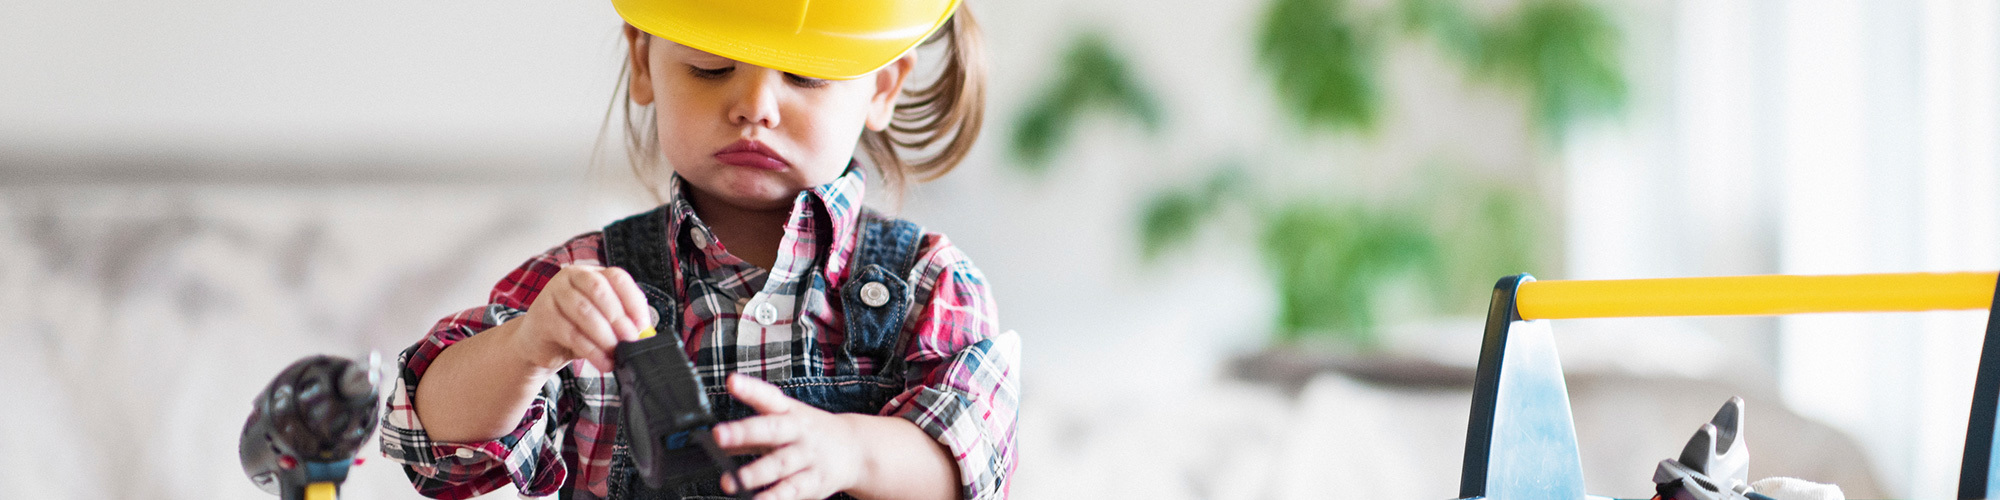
x=1754, y=295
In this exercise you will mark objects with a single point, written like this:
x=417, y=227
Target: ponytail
x=949, y=111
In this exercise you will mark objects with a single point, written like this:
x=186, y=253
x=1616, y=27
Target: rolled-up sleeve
x=964, y=374
x=527, y=457
x=530, y=456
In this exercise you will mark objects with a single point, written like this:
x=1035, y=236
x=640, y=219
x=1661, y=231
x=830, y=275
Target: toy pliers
x=1715, y=464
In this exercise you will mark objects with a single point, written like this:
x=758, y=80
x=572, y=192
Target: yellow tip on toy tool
x=321, y=491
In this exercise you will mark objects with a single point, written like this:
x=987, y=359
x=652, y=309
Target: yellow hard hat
x=833, y=39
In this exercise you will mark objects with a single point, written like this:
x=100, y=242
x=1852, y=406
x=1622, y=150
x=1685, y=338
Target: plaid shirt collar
x=839, y=201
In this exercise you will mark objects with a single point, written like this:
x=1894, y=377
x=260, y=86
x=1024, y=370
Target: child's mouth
x=752, y=154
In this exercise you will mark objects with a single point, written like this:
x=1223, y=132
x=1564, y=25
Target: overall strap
x=638, y=244
x=880, y=288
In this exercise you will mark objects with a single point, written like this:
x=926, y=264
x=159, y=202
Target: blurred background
x=1246, y=242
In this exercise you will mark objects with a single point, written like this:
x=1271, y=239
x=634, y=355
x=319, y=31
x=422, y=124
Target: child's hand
x=810, y=453
x=582, y=313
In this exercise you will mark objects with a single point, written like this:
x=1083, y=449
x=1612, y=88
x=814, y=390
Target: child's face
x=751, y=136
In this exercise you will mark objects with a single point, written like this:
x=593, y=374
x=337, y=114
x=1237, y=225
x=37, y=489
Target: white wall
x=245, y=87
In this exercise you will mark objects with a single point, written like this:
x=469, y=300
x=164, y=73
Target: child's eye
x=709, y=74
x=806, y=82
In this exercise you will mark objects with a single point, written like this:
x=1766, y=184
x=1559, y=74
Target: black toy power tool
x=306, y=427
x=667, y=415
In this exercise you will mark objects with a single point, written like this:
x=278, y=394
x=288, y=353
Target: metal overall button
x=874, y=294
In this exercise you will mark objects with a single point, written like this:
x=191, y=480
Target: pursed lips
x=752, y=154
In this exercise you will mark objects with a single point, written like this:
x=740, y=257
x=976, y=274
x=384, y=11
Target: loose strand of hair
x=610, y=108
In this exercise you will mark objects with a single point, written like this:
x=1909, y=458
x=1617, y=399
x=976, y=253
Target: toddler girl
x=852, y=353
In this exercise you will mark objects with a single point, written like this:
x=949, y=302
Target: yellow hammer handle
x=321, y=491
x=1755, y=295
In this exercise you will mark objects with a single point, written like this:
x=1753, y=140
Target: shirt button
x=766, y=314
x=699, y=236
x=465, y=453
x=874, y=294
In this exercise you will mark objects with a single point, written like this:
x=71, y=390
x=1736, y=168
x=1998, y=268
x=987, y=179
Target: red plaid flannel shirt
x=963, y=381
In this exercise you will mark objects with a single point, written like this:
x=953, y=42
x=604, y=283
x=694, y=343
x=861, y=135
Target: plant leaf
x=1329, y=263
x=1322, y=63
x=1447, y=21
x=1093, y=78
x=1567, y=54
x=1172, y=217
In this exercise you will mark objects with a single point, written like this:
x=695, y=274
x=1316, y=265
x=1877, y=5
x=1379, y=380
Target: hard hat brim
x=839, y=40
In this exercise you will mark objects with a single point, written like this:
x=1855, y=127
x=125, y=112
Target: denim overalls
x=885, y=255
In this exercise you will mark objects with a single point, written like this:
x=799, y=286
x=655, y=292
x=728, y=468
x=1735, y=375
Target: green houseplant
x=1330, y=258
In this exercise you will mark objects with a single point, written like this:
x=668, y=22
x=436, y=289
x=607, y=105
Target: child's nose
x=756, y=102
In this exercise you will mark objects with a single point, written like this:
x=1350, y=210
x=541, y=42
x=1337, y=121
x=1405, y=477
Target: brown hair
x=932, y=131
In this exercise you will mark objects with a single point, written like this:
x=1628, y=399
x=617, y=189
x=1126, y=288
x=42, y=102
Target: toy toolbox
x=1520, y=442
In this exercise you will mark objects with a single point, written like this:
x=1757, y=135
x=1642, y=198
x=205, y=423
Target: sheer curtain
x=1887, y=161
x=1811, y=137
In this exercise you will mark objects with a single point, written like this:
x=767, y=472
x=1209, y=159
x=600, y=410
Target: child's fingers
x=602, y=362
x=760, y=432
x=593, y=286
x=575, y=338
x=769, y=469
x=587, y=348
x=588, y=331
x=579, y=346
x=636, y=307
x=806, y=484
x=767, y=399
